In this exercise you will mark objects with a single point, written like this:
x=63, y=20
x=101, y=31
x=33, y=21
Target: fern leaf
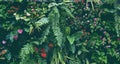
x=54, y=17
x=41, y=22
x=26, y=50
x=44, y=35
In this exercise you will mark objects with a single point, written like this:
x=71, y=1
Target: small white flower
x=3, y=42
x=85, y=14
x=88, y=21
x=14, y=14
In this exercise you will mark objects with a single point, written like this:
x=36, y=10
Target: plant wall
x=60, y=32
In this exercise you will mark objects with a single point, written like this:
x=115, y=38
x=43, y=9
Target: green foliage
x=44, y=35
x=26, y=50
x=54, y=17
x=60, y=32
x=74, y=37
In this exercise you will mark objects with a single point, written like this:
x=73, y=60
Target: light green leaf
x=68, y=11
x=77, y=35
x=67, y=30
x=71, y=39
x=41, y=22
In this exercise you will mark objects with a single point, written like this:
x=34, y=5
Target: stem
x=92, y=5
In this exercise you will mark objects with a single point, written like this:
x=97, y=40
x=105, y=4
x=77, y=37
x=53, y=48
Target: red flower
x=44, y=55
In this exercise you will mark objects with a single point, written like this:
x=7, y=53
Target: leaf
x=84, y=49
x=73, y=48
x=66, y=0
x=11, y=35
x=1, y=15
x=31, y=29
x=67, y=30
x=77, y=35
x=41, y=61
x=74, y=37
x=87, y=62
x=44, y=35
x=20, y=0
x=79, y=52
x=41, y=22
x=71, y=39
x=26, y=29
x=68, y=12
x=54, y=18
x=61, y=58
x=52, y=5
x=17, y=17
x=36, y=42
x=26, y=50
x=8, y=56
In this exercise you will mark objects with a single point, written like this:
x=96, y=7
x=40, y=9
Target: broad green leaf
x=87, y=62
x=36, y=42
x=71, y=39
x=77, y=35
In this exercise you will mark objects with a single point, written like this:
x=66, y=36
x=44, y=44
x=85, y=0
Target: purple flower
x=20, y=31
x=95, y=19
x=15, y=37
x=101, y=37
x=105, y=32
x=95, y=24
x=3, y=42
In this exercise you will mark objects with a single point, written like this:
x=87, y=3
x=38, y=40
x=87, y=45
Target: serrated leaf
x=26, y=50
x=41, y=22
x=68, y=11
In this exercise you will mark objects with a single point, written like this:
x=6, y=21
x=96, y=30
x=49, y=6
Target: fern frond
x=26, y=50
x=54, y=17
